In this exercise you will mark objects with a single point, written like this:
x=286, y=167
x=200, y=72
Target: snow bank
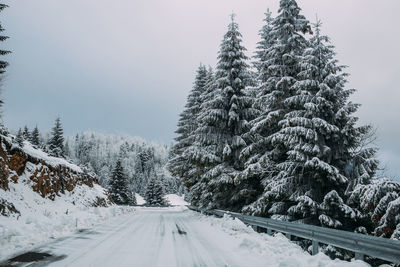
x=277, y=249
x=173, y=200
x=44, y=204
x=41, y=219
x=176, y=200
x=139, y=199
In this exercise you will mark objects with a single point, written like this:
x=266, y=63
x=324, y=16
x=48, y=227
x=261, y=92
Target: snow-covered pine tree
x=56, y=142
x=263, y=46
x=309, y=132
x=3, y=64
x=179, y=165
x=67, y=150
x=379, y=201
x=198, y=153
x=19, y=139
x=321, y=137
x=278, y=72
x=224, y=121
x=155, y=193
x=35, y=137
x=119, y=188
x=257, y=164
x=26, y=133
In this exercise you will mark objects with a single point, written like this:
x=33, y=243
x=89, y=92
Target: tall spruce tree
x=180, y=165
x=198, y=154
x=266, y=42
x=224, y=121
x=3, y=64
x=320, y=135
x=20, y=138
x=119, y=186
x=279, y=72
x=26, y=133
x=35, y=137
x=257, y=163
x=155, y=193
x=56, y=142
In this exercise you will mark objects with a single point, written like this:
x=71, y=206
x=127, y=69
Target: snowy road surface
x=177, y=237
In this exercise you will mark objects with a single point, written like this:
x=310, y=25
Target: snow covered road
x=177, y=237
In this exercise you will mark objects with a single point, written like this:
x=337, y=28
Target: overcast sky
x=126, y=66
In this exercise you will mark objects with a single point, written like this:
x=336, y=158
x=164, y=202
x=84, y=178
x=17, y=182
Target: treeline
x=123, y=164
x=141, y=161
x=278, y=137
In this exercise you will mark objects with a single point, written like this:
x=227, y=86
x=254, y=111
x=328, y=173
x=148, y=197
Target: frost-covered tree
x=155, y=193
x=142, y=160
x=67, y=150
x=320, y=135
x=197, y=154
x=180, y=165
x=278, y=70
x=379, y=201
x=223, y=121
x=3, y=64
x=257, y=164
x=35, y=137
x=334, y=213
x=261, y=54
x=119, y=187
x=19, y=139
x=56, y=142
x=26, y=133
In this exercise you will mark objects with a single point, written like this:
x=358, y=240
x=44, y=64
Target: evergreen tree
x=67, y=151
x=316, y=147
x=266, y=42
x=119, y=188
x=179, y=165
x=20, y=138
x=35, y=137
x=3, y=64
x=223, y=122
x=198, y=154
x=56, y=142
x=155, y=193
x=278, y=74
x=379, y=202
x=26, y=133
x=320, y=134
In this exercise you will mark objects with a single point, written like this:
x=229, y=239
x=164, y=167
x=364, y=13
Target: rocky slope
x=49, y=177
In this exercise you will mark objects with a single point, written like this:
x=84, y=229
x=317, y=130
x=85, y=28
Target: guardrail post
x=255, y=228
x=359, y=256
x=315, y=247
x=269, y=231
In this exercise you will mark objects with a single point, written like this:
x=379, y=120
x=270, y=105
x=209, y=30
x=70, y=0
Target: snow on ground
x=176, y=200
x=277, y=249
x=42, y=219
x=173, y=200
x=176, y=236
x=139, y=199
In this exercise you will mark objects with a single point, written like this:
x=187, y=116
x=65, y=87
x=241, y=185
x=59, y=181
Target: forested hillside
x=141, y=160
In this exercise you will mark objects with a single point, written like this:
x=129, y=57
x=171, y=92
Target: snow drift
x=43, y=197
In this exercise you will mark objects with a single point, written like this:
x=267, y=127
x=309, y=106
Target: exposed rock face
x=47, y=180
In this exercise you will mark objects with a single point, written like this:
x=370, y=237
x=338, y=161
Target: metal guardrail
x=362, y=245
